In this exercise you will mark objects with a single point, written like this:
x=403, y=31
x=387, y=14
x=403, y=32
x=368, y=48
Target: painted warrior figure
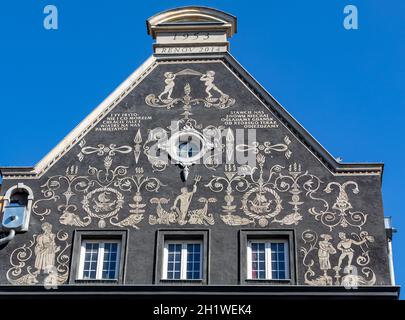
x=325, y=250
x=45, y=249
x=345, y=245
x=208, y=78
x=184, y=199
x=169, y=81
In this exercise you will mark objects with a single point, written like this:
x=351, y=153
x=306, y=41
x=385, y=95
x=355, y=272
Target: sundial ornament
x=187, y=147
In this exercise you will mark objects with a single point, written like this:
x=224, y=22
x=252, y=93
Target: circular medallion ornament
x=187, y=146
x=103, y=203
x=263, y=222
x=261, y=203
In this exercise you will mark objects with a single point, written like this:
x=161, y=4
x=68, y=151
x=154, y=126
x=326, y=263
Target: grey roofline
x=17, y=169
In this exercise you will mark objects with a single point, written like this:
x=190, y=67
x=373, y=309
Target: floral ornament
x=138, y=182
x=69, y=185
x=230, y=181
x=340, y=213
x=101, y=150
x=267, y=147
x=44, y=258
x=295, y=183
x=137, y=145
x=261, y=201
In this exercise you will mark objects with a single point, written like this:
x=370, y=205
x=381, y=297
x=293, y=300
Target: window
x=182, y=260
x=99, y=260
x=182, y=256
x=98, y=256
x=267, y=260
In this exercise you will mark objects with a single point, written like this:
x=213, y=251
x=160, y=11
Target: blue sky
x=345, y=87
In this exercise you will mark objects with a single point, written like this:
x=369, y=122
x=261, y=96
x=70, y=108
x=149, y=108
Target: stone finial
x=191, y=30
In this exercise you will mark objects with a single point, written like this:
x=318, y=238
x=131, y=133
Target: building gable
x=190, y=146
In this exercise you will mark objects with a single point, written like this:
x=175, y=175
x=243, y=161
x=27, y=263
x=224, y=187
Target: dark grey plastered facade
x=311, y=194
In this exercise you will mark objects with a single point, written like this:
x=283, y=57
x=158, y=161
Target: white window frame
x=100, y=259
x=268, y=262
x=183, y=260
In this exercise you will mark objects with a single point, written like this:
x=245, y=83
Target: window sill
x=269, y=281
x=182, y=281
x=97, y=281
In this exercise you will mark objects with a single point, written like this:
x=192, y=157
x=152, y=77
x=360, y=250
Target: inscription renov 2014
x=121, y=121
x=249, y=119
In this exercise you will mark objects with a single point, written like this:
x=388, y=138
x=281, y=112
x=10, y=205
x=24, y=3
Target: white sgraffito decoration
x=180, y=212
x=45, y=256
x=340, y=214
x=102, y=191
x=138, y=182
x=63, y=187
x=102, y=149
x=214, y=98
x=267, y=147
x=350, y=254
x=137, y=145
x=161, y=148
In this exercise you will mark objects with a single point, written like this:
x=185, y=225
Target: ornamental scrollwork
x=296, y=182
x=65, y=186
x=261, y=202
x=339, y=262
x=267, y=147
x=137, y=182
x=102, y=194
x=230, y=181
x=101, y=150
x=44, y=258
x=340, y=214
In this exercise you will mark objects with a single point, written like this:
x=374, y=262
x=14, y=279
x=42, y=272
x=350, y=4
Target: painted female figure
x=45, y=249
